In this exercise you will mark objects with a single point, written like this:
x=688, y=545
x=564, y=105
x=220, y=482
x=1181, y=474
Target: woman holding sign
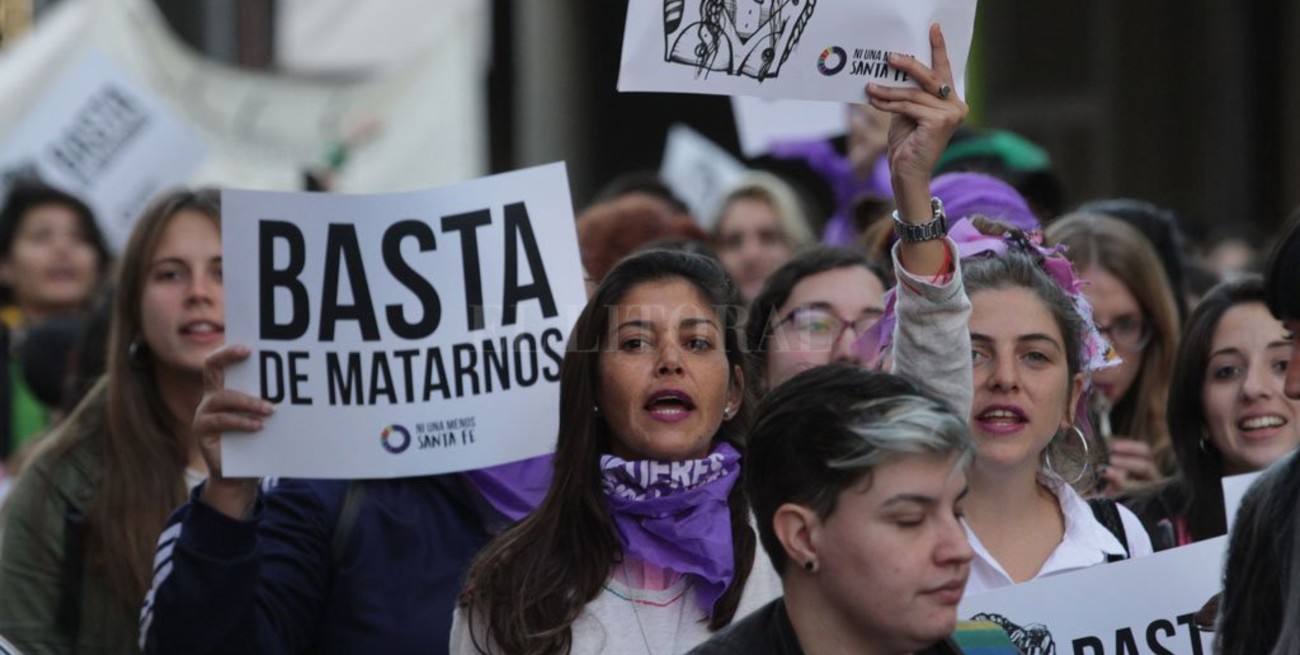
x=1032, y=348
x=84, y=517
x=643, y=542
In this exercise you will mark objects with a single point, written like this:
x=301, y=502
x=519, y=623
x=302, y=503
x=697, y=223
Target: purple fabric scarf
x=675, y=515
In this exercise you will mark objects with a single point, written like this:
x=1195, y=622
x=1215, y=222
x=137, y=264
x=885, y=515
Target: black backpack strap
x=68, y=614
x=352, y=499
x=1107, y=513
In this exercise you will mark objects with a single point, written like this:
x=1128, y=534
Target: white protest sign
x=813, y=50
x=98, y=134
x=1234, y=489
x=1143, y=606
x=401, y=334
x=699, y=171
x=761, y=122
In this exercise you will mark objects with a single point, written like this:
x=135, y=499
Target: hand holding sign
x=226, y=410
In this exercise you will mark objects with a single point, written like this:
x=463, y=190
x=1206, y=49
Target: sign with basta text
x=1143, y=606
x=401, y=334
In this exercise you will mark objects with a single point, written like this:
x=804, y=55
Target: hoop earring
x=137, y=355
x=1087, y=458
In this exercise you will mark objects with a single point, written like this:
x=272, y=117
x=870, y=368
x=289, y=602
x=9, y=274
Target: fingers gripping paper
x=809, y=49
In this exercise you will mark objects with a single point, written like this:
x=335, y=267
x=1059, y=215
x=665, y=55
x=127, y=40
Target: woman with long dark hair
x=1228, y=413
x=84, y=518
x=643, y=542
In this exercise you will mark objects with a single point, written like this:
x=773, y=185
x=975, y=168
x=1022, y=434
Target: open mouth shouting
x=670, y=405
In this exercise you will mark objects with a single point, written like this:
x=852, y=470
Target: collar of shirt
x=1086, y=542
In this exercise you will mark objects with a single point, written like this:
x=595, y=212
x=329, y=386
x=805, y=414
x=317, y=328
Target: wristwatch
x=935, y=228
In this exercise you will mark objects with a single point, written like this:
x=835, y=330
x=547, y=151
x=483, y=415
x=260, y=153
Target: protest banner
x=699, y=171
x=101, y=136
x=1142, y=606
x=827, y=50
x=1234, y=489
x=401, y=334
x=761, y=122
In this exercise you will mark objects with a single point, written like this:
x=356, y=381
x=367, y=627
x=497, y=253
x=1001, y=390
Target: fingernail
x=267, y=408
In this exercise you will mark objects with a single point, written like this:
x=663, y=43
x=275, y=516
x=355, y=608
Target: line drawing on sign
x=1030, y=639
x=750, y=38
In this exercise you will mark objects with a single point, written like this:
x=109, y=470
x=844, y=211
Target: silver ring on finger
x=944, y=91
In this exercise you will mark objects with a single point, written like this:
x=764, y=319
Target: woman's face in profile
x=894, y=555
x=666, y=384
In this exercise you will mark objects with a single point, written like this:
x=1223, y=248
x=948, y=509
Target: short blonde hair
x=783, y=200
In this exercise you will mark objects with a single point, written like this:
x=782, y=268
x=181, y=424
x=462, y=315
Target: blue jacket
x=270, y=585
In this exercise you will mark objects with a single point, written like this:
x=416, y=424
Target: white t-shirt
x=1086, y=543
x=624, y=620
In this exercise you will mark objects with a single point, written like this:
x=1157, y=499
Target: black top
x=767, y=631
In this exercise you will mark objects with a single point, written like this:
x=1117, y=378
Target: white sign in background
x=424, y=377
x=699, y=171
x=762, y=122
x=1140, y=606
x=1234, y=489
x=101, y=136
x=812, y=50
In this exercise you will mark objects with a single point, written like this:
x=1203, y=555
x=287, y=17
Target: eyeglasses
x=1127, y=334
x=819, y=328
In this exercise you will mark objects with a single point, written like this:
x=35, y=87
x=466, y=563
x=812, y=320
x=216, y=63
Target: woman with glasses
x=1132, y=305
x=1228, y=411
x=811, y=311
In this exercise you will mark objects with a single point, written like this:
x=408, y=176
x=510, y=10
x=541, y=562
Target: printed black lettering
x=467, y=225
x=551, y=338
x=344, y=386
x=271, y=360
x=1092, y=645
x=1125, y=644
x=297, y=378
x=525, y=352
x=519, y=227
x=435, y=375
x=431, y=313
x=408, y=372
x=271, y=278
x=341, y=245
x=1153, y=642
x=381, y=379
x=1189, y=620
x=496, y=361
x=464, y=359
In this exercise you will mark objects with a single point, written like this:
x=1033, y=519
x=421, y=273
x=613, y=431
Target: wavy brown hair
x=1122, y=251
x=144, y=447
x=532, y=582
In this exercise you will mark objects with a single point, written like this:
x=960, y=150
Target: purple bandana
x=675, y=515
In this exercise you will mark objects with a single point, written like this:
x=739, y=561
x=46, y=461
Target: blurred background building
x=1194, y=104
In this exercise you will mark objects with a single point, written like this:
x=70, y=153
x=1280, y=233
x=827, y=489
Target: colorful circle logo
x=835, y=53
x=395, y=439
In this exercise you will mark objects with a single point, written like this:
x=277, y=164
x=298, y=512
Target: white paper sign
x=401, y=334
x=1234, y=489
x=814, y=49
x=761, y=122
x=98, y=134
x=699, y=171
x=1142, y=606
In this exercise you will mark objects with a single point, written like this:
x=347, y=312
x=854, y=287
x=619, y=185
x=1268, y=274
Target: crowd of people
x=765, y=444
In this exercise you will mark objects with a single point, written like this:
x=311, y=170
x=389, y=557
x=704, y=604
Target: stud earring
x=810, y=566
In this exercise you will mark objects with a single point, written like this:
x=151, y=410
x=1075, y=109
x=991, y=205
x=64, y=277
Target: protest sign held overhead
x=699, y=171
x=1143, y=606
x=401, y=334
x=99, y=135
x=812, y=50
x=762, y=122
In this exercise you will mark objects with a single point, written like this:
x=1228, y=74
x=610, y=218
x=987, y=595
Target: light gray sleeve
x=931, y=341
